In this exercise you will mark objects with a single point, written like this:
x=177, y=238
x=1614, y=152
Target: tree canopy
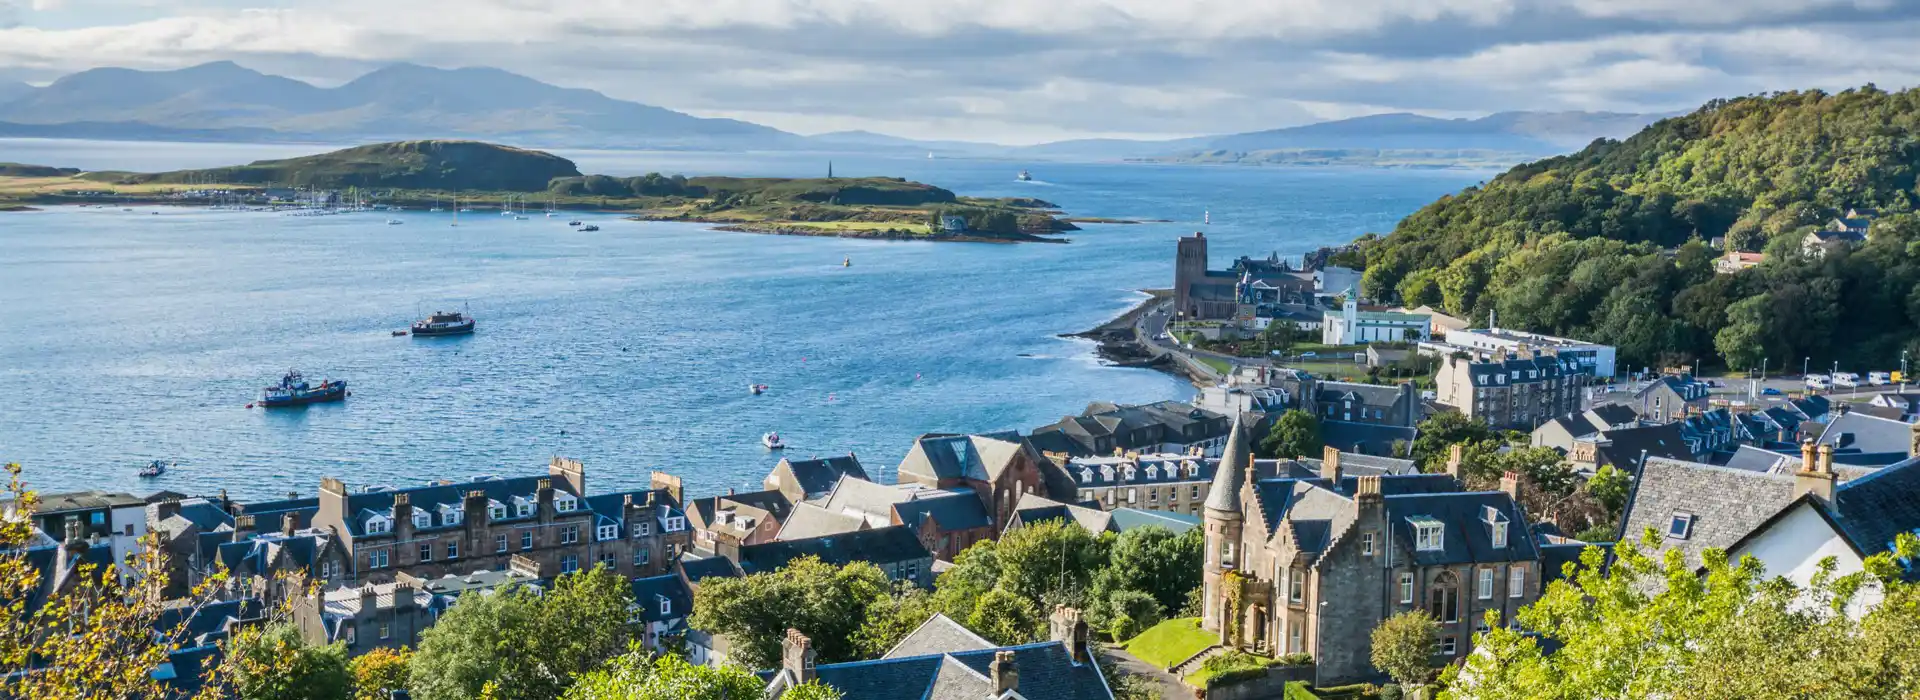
x=517, y=644
x=830, y=604
x=1609, y=243
x=1295, y=434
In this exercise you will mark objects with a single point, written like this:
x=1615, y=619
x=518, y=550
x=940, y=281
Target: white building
x=1351, y=326
x=1593, y=357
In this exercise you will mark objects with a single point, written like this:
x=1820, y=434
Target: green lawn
x=1200, y=678
x=1219, y=365
x=1171, y=642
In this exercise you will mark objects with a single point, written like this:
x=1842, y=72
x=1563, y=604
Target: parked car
x=1770, y=391
x=1308, y=355
x=1879, y=378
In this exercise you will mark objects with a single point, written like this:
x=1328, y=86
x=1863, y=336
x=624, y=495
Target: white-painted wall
x=1794, y=546
x=129, y=525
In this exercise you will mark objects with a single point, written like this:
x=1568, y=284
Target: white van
x=1846, y=379
x=1818, y=381
x=1879, y=378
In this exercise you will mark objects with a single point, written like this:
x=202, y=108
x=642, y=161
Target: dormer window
x=1086, y=474
x=1496, y=525
x=379, y=525
x=1129, y=472
x=522, y=507
x=666, y=605
x=565, y=503
x=451, y=515
x=1680, y=526
x=496, y=511
x=422, y=519
x=1428, y=533
x=1153, y=473
x=1106, y=473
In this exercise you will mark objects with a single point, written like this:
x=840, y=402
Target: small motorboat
x=154, y=468
x=1026, y=176
x=847, y=262
x=589, y=227
x=573, y=223
x=772, y=441
x=399, y=334
x=394, y=222
x=757, y=389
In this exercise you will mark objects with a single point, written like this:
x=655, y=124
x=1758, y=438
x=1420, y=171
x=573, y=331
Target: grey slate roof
x=977, y=457
x=887, y=545
x=1466, y=538
x=1872, y=509
x=1685, y=385
x=953, y=511
x=1518, y=371
x=649, y=592
x=1667, y=440
x=1035, y=508
x=1278, y=497
x=819, y=475
x=1369, y=394
x=1753, y=459
x=809, y=520
x=938, y=635
x=699, y=568
x=1364, y=437
x=1724, y=504
x=1867, y=434
x=1614, y=414
x=1125, y=519
x=1047, y=672
x=1235, y=461
x=1356, y=464
x=56, y=503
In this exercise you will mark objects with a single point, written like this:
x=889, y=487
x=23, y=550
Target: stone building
x=1203, y=294
x=430, y=531
x=737, y=519
x=368, y=617
x=810, y=479
x=997, y=467
x=1107, y=428
x=1176, y=483
x=1672, y=398
x=1311, y=565
x=1515, y=393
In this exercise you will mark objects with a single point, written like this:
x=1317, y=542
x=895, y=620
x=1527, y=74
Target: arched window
x=1443, y=598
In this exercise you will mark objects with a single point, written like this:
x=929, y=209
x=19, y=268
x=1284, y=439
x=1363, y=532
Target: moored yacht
x=444, y=323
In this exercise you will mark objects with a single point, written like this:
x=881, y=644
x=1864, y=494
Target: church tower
x=1223, y=522
x=1189, y=268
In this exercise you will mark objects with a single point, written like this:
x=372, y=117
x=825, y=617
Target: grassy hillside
x=24, y=170
x=439, y=165
x=1609, y=243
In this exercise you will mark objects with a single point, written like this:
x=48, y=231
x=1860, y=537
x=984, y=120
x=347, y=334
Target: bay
x=131, y=336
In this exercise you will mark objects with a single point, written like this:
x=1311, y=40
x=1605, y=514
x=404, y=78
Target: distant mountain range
x=225, y=101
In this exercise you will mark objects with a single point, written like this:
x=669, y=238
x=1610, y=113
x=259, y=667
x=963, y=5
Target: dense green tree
x=379, y=672
x=274, y=663
x=1295, y=434
x=830, y=604
x=1641, y=625
x=1443, y=430
x=1155, y=561
x=891, y=619
x=1403, y=647
x=522, y=644
x=637, y=675
x=1610, y=487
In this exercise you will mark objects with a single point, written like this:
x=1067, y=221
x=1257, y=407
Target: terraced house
x=1512, y=393
x=1311, y=565
x=1167, y=482
x=549, y=522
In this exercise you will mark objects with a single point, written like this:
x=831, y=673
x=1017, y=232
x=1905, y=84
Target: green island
x=1618, y=242
x=423, y=174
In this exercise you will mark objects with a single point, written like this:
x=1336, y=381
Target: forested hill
x=1610, y=243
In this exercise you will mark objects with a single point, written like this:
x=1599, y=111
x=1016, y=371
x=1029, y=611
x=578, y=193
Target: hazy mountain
x=395, y=101
x=868, y=140
x=12, y=90
x=1522, y=132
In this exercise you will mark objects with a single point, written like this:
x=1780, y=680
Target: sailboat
x=436, y=204
x=550, y=212
x=1206, y=217
x=456, y=211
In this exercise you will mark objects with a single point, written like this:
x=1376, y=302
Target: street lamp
x=1763, y=370
x=1803, y=365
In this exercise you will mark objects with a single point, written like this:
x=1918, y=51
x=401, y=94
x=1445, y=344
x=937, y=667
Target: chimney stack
x=166, y=509
x=1510, y=483
x=1815, y=477
x=1913, y=445
x=1806, y=455
x=289, y=523
x=242, y=528
x=1455, y=455
x=1004, y=674
x=1330, y=465
x=1367, y=490
x=369, y=598
x=796, y=656
x=1067, y=628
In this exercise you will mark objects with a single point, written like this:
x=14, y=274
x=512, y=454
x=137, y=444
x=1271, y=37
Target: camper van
x=1846, y=379
x=1818, y=382
x=1879, y=378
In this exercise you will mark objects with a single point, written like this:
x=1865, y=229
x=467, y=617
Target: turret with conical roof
x=1223, y=522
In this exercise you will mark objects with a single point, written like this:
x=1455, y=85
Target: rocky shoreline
x=1118, y=344
x=875, y=234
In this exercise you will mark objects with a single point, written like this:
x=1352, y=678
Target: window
x=570, y=534
x=497, y=512
x=1499, y=535
x=1516, y=582
x=1681, y=526
x=1406, y=589
x=913, y=571
x=526, y=539
x=608, y=532
x=328, y=569
x=1443, y=598
x=1293, y=644
x=1486, y=584
x=1448, y=646
x=565, y=503
x=129, y=530
x=377, y=559
x=1429, y=534
x=500, y=544
x=453, y=550
x=1296, y=586
x=642, y=529
x=641, y=556
x=422, y=519
x=606, y=559
x=523, y=509
x=1110, y=493
x=452, y=516
x=1196, y=493
x=676, y=524
x=1132, y=496
x=1153, y=496
x=569, y=564
x=99, y=518
x=350, y=635
x=1366, y=544
x=1226, y=553
x=666, y=605
x=426, y=552
x=379, y=526
x=1086, y=496
x=386, y=631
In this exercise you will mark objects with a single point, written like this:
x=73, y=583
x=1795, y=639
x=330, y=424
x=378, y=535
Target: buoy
x=249, y=405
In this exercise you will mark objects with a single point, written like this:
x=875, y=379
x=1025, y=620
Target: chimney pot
x=1510, y=483
x=1005, y=675
x=1455, y=456
x=796, y=656
x=1330, y=465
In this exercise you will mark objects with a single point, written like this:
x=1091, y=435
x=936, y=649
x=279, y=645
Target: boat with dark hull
x=444, y=323
x=295, y=390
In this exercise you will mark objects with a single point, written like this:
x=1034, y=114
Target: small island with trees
x=425, y=174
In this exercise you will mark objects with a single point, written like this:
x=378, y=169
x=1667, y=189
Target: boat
x=444, y=323
x=394, y=222
x=757, y=389
x=847, y=262
x=397, y=334
x=772, y=441
x=589, y=227
x=1026, y=176
x=929, y=155
x=154, y=468
x=518, y=217
x=294, y=390
x=573, y=223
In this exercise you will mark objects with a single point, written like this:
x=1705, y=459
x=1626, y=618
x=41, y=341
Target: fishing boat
x=573, y=223
x=589, y=227
x=757, y=389
x=772, y=441
x=1026, y=176
x=847, y=262
x=444, y=323
x=295, y=390
x=394, y=222
x=154, y=468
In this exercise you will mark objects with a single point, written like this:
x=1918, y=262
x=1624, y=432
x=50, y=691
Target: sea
x=133, y=335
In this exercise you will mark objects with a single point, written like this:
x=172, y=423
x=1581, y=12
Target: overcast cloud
x=1025, y=70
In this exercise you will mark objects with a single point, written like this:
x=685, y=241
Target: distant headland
x=422, y=174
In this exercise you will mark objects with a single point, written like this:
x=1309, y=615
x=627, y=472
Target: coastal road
x=1150, y=325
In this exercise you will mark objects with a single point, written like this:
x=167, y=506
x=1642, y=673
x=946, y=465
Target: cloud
x=1020, y=70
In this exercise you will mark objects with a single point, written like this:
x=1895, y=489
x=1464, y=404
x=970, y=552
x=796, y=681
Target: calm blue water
x=126, y=337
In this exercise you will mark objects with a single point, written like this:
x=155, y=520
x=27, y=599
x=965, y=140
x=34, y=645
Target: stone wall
x=1271, y=685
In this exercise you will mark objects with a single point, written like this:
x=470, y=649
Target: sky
x=1024, y=71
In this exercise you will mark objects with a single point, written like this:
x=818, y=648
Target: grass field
x=1171, y=642
x=1218, y=365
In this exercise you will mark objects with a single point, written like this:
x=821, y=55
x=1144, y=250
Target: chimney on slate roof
x=1815, y=477
x=1455, y=455
x=1510, y=483
x=1330, y=465
x=1004, y=674
x=242, y=528
x=796, y=656
x=1069, y=629
x=289, y=523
